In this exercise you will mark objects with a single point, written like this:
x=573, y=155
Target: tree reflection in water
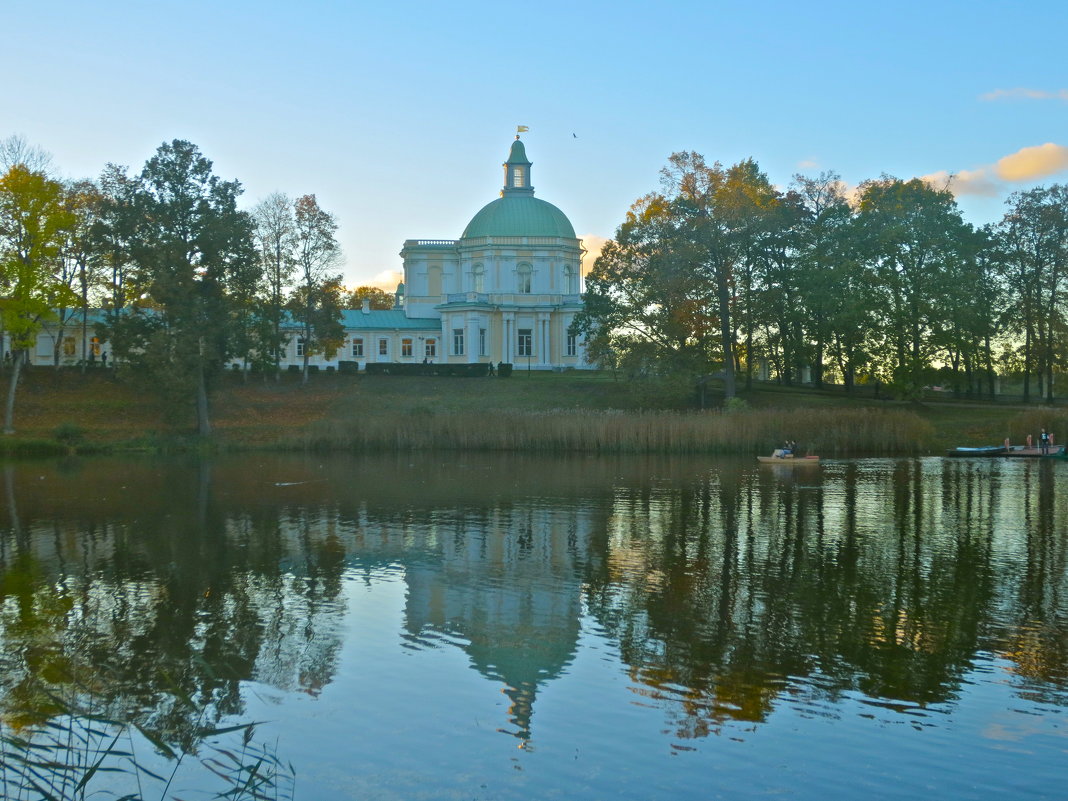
x=728, y=589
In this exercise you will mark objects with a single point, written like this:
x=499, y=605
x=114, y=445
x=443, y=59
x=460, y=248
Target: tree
x=276, y=239
x=34, y=223
x=665, y=291
x=1033, y=245
x=79, y=266
x=15, y=150
x=313, y=304
x=913, y=241
x=113, y=238
x=378, y=298
x=190, y=247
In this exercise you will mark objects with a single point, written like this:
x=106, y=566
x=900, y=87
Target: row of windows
x=524, y=345
x=70, y=346
x=524, y=280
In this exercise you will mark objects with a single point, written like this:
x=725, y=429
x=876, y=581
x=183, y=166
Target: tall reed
x=828, y=432
x=79, y=752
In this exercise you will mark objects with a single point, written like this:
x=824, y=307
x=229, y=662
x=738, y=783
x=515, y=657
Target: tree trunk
x=9, y=407
x=726, y=339
x=203, y=422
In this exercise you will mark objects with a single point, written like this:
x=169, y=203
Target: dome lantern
x=517, y=212
x=517, y=171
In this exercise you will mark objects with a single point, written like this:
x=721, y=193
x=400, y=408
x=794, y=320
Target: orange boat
x=792, y=461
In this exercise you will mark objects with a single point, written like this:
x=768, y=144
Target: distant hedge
x=460, y=370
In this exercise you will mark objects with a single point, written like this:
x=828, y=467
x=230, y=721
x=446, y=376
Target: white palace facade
x=507, y=291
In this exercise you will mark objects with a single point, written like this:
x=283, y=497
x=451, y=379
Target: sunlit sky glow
x=398, y=115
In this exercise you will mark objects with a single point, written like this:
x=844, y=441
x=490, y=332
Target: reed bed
x=827, y=432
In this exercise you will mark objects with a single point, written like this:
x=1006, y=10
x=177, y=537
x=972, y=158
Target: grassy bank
x=541, y=412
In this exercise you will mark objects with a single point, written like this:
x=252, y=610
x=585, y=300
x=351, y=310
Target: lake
x=472, y=626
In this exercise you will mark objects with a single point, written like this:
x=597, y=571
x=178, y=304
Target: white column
x=471, y=345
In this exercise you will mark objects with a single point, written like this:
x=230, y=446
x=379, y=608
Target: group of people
x=788, y=450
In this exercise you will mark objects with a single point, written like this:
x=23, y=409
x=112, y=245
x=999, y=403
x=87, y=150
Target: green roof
x=519, y=215
x=518, y=154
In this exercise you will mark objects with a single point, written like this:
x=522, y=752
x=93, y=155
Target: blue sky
x=398, y=115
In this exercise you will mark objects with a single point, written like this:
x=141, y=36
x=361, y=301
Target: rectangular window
x=431, y=348
x=525, y=344
x=572, y=345
x=300, y=346
x=383, y=347
x=482, y=342
x=68, y=346
x=357, y=348
x=406, y=348
x=458, y=342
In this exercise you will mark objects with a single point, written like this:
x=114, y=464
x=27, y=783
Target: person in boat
x=786, y=451
x=1043, y=442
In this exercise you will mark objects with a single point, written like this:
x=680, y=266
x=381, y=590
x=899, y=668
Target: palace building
x=507, y=291
x=509, y=288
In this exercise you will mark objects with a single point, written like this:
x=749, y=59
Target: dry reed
x=827, y=432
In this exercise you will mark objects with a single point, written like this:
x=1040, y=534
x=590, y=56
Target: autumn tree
x=276, y=242
x=666, y=290
x=378, y=298
x=316, y=302
x=34, y=223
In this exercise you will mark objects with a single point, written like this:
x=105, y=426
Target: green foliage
x=69, y=434
x=735, y=404
x=404, y=369
x=34, y=222
x=194, y=259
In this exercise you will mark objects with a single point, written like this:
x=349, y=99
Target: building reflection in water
x=727, y=589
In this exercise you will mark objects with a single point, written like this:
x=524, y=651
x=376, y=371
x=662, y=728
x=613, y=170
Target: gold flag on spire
x=521, y=128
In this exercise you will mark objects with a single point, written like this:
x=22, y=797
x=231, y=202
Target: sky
x=398, y=115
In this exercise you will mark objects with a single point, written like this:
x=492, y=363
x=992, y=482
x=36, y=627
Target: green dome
x=519, y=215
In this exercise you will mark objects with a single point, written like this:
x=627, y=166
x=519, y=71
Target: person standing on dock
x=1043, y=442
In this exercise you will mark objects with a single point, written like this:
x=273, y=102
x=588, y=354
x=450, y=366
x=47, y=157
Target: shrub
x=736, y=404
x=70, y=434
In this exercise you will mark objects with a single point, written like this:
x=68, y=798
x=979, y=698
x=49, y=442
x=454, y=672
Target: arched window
x=523, y=278
x=478, y=278
x=570, y=280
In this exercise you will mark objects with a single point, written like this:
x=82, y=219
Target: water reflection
x=729, y=590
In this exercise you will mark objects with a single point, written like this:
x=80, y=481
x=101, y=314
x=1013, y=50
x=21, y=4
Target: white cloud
x=964, y=182
x=1020, y=93
x=593, y=245
x=808, y=164
x=387, y=280
x=1029, y=163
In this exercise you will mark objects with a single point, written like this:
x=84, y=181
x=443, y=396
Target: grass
x=591, y=412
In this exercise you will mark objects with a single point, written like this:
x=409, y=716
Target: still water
x=499, y=627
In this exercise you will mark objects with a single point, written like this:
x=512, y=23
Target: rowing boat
x=1012, y=451
x=792, y=461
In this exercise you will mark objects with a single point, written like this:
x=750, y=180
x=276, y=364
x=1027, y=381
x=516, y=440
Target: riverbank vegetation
x=590, y=412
